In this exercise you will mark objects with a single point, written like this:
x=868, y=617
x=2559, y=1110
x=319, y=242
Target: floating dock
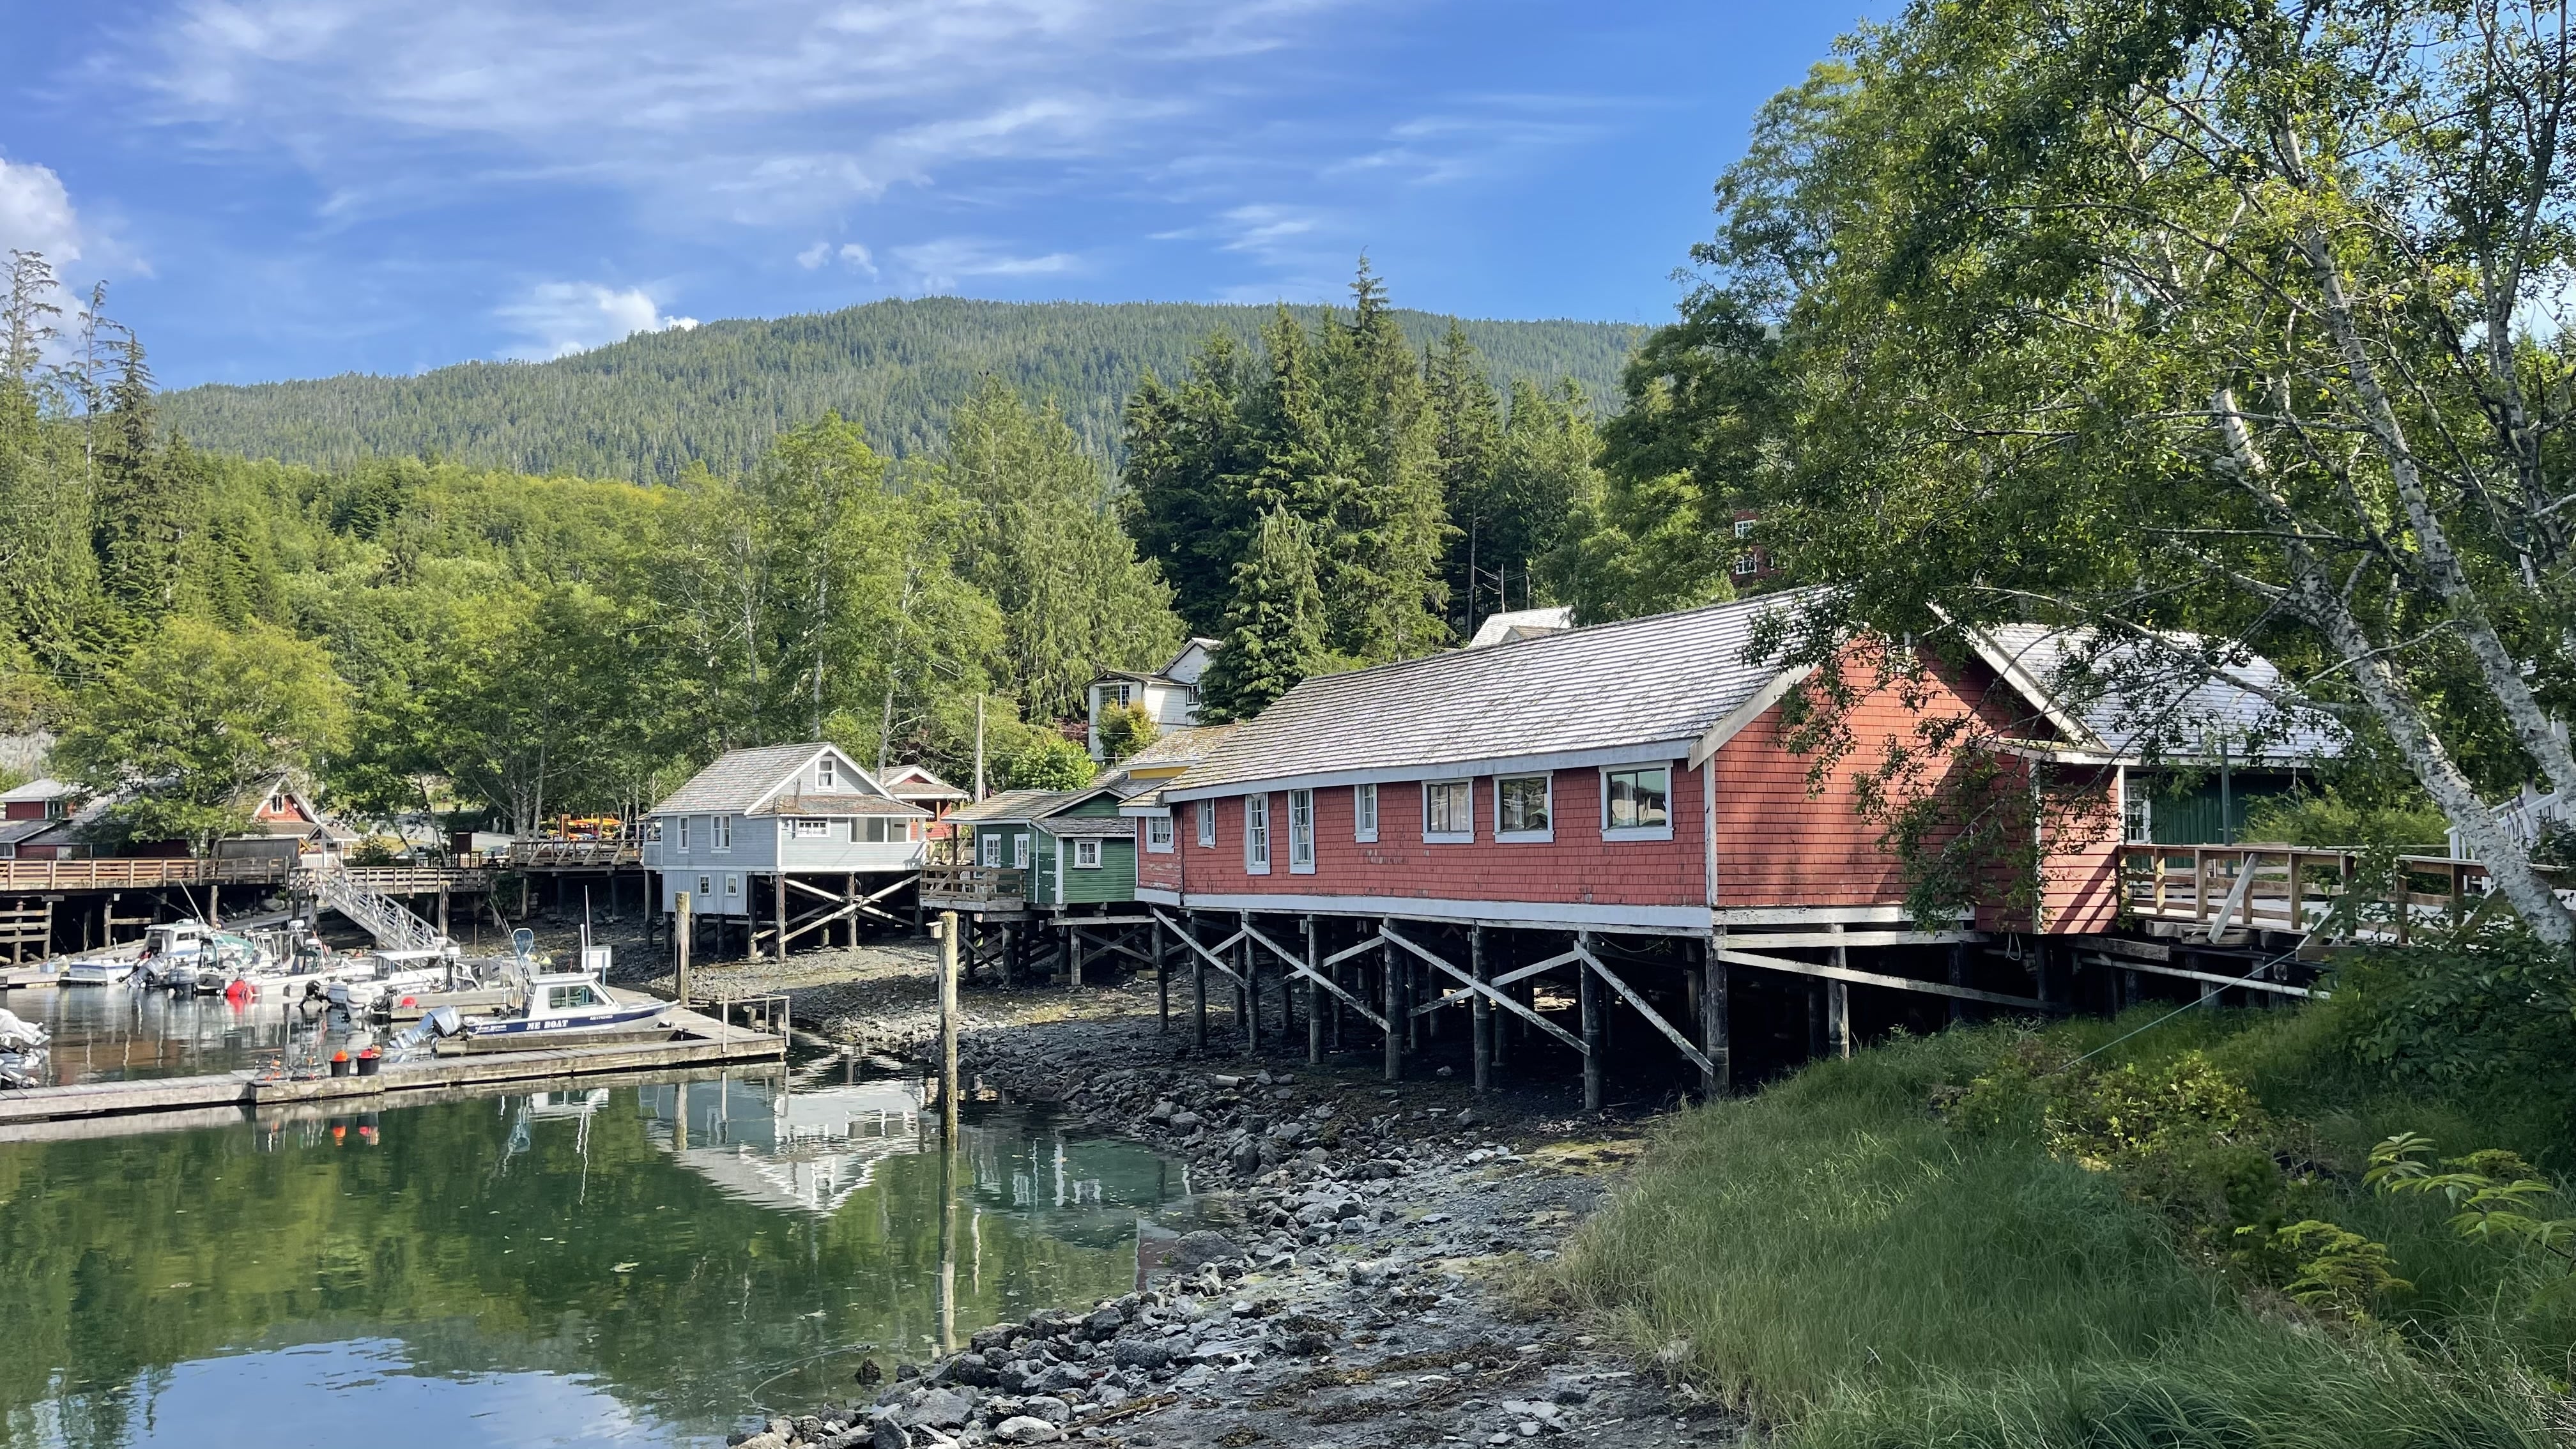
x=696, y=1040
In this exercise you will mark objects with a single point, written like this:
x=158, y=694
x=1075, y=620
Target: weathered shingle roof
x=2144, y=701
x=811, y=805
x=45, y=789
x=1180, y=745
x=1663, y=679
x=1008, y=805
x=738, y=779
x=1118, y=827
x=916, y=782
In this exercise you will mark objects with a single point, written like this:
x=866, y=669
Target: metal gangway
x=388, y=920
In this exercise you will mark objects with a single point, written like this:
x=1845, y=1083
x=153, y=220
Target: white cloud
x=36, y=213
x=938, y=266
x=849, y=254
x=710, y=104
x=557, y=319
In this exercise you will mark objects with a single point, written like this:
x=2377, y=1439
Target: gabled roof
x=13, y=831
x=1658, y=682
x=2136, y=699
x=741, y=780
x=915, y=782
x=45, y=789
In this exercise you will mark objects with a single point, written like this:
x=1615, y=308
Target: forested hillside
x=647, y=407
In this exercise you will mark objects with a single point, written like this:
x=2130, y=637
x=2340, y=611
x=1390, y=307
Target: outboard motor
x=434, y=1025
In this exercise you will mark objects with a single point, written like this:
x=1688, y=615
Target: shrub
x=1051, y=762
x=1125, y=729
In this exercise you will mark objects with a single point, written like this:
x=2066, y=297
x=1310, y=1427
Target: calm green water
x=633, y=1265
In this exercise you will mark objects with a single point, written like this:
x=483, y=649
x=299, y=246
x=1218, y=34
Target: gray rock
x=890, y=1435
x=1143, y=1353
x=1027, y=1430
x=1204, y=1246
x=763, y=1440
x=1047, y=1407
x=941, y=1409
x=1104, y=1324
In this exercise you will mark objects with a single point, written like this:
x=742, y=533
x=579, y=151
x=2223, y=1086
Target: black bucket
x=339, y=1065
x=369, y=1063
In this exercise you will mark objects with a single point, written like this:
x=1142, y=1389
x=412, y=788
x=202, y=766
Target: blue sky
x=289, y=188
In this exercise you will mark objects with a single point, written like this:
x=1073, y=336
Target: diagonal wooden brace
x=1872, y=978
x=1653, y=1018
x=1297, y=967
x=1211, y=956
x=1480, y=988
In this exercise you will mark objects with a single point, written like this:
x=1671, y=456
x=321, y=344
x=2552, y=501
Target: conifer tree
x=1385, y=525
x=143, y=502
x=1468, y=428
x=1275, y=631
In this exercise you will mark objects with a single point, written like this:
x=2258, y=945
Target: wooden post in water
x=1838, y=1032
x=1247, y=992
x=681, y=936
x=948, y=1027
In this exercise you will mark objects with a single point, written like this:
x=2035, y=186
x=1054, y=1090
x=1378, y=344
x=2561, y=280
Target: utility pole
x=979, y=746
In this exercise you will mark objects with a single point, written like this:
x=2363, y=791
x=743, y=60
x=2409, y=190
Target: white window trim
x=733, y=886
x=1256, y=830
x=684, y=835
x=706, y=888
x=988, y=844
x=1083, y=848
x=1170, y=835
x=1301, y=832
x=1527, y=837
x=1207, y=824
x=1023, y=849
x=1449, y=837
x=827, y=774
x=1364, y=822
x=1637, y=832
x=821, y=829
x=720, y=835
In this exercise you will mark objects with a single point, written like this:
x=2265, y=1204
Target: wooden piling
x=1162, y=977
x=1314, y=1003
x=681, y=937
x=1595, y=1044
x=1480, y=1016
x=1717, y=987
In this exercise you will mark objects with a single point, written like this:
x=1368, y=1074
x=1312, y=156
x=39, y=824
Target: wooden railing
x=419, y=880
x=2222, y=888
x=541, y=854
x=988, y=887
x=138, y=873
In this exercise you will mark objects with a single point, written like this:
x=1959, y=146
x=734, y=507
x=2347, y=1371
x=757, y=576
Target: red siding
x=1577, y=867
x=1782, y=843
x=1161, y=870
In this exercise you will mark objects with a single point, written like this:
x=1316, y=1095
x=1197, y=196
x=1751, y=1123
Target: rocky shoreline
x=1357, y=1291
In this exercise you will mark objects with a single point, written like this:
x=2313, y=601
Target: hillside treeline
x=650, y=406
x=434, y=636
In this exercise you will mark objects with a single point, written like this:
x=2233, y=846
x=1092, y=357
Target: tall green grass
x=1834, y=1256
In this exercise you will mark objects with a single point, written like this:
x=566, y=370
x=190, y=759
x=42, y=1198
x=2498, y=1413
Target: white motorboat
x=568, y=1004
x=168, y=947
x=17, y=1034
x=98, y=971
x=387, y=976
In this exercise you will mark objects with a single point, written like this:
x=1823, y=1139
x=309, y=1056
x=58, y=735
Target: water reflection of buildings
x=807, y=1142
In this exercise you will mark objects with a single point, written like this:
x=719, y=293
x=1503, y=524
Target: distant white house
x=778, y=810
x=1170, y=695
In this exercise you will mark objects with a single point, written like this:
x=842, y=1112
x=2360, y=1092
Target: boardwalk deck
x=698, y=1041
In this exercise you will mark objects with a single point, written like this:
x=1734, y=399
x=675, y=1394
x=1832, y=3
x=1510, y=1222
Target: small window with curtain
x=1448, y=810
x=1521, y=808
x=1364, y=813
x=1301, y=832
x=1636, y=803
x=1020, y=850
x=827, y=773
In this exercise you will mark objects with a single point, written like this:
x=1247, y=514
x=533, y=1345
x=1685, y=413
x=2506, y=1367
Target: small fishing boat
x=567, y=1004
x=98, y=971
x=168, y=947
x=385, y=976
